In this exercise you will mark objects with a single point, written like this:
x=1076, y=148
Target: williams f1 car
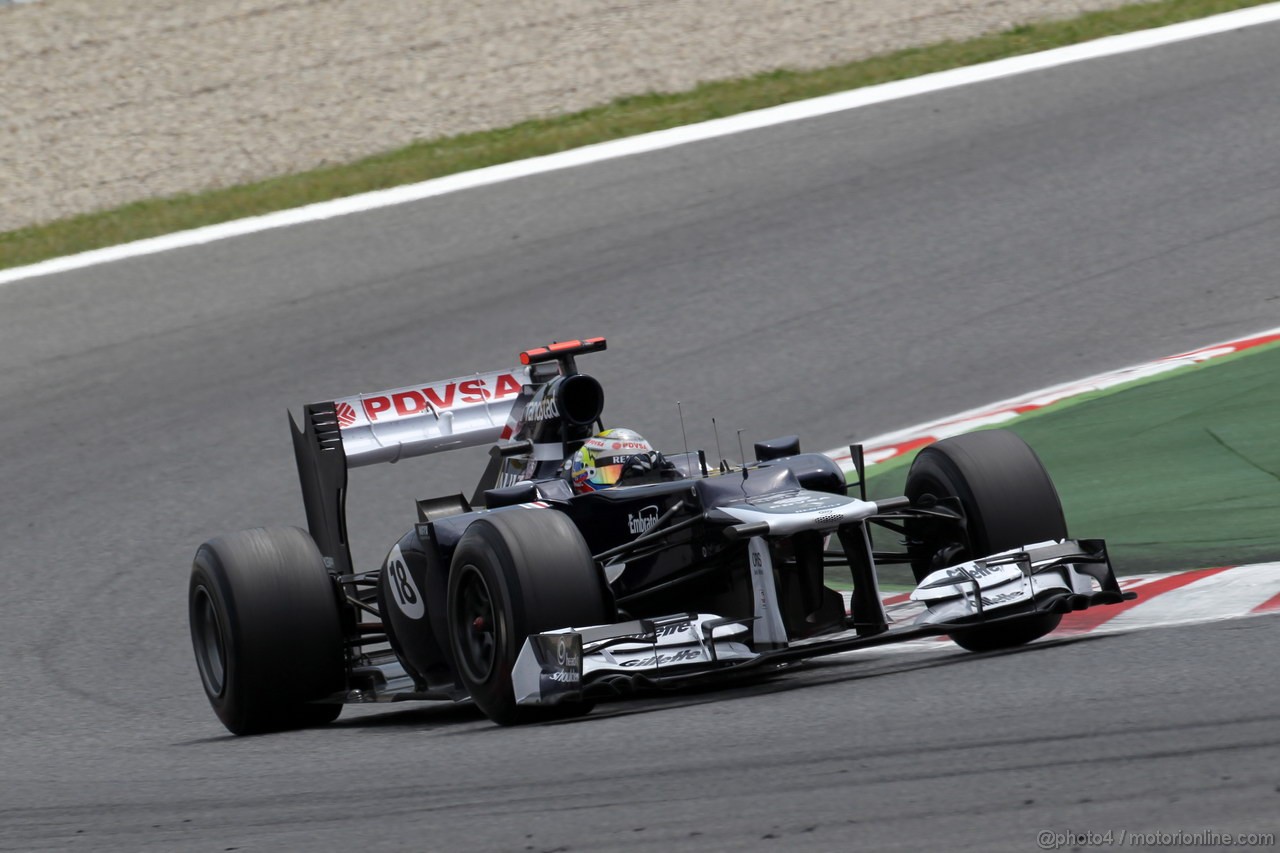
x=536, y=601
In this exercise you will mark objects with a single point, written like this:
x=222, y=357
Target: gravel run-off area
x=109, y=101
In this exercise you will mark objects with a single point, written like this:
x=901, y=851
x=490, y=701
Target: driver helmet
x=598, y=463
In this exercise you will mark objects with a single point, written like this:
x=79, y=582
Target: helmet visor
x=606, y=475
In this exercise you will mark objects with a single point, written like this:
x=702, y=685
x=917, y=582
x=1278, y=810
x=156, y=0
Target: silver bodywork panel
x=791, y=512
x=468, y=411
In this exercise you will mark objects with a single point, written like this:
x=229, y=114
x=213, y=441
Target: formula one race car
x=536, y=599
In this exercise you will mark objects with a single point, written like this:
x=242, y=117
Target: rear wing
x=387, y=426
x=392, y=425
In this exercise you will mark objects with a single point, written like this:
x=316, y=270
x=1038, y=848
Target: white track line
x=785, y=113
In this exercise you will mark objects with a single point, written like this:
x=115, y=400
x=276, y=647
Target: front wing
x=610, y=660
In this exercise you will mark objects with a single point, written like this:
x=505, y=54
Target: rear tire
x=1009, y=500
x=513, y=574
x=266, y=630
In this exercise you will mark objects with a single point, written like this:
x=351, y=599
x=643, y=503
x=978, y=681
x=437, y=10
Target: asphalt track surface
x=840, y=277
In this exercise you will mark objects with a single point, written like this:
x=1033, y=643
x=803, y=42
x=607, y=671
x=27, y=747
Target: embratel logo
x=543, y=410
x=346, y=415
x=643, y=520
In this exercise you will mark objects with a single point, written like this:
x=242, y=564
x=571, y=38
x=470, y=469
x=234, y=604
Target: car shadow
x=800, y=675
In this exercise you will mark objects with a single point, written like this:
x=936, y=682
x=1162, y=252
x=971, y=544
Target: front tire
x=513, y=574
x=1008, y=499
x=266, y=630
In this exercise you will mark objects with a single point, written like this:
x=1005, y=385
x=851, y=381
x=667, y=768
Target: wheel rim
x=941, y=551
x=476, y=625
x=210, y=650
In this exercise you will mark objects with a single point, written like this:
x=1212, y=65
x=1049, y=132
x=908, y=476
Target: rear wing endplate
x=388, y=426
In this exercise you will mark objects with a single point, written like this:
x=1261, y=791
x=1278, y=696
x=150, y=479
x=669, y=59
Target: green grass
x=1178, y=472
x=623, y=117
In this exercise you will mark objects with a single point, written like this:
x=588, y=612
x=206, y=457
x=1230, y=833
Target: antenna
x=683, y=434
x=719, y=452
x=743, y=454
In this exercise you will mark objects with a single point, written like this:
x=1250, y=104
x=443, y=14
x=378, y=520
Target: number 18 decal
x=402, y=587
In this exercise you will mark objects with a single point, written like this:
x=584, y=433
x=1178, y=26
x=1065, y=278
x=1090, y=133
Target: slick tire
x=1008, y=499
x=266, y=630
x=513, y=574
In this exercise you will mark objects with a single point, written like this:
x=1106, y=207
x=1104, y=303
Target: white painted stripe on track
x=785, y=113
x=1228, y=595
